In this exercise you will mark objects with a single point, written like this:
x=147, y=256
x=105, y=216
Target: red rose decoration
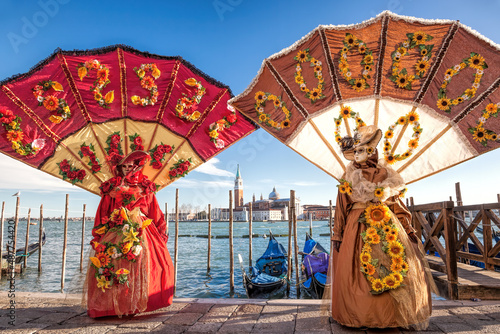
x=183, y=167
x=115, y=139
x=139, y=148
x=138, y=141
x=106, y=187
x=167, y=148
x=172, y=173
x=96, y=168
x=152, y=187
x=81, y=174
x=64, y=162
x=231, y=118
x=156, y=164
x=187, y=163
x=65, y=168
x=71, y=174
x=157, y=155
x=130, y=256
x=179, y=171
x=93, y=159
x=85, y=150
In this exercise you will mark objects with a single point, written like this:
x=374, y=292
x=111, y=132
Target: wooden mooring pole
x=65, y=244
x=1, y=238
x=209, y=236
x=231, y=251
x=166, y=218
x=250, y=235
x=83, y=238
x=330, y=221
x=296, y=246
x=16, y=223
x=40, y=234
x=28, y=222
x=450, y=243
x=289, y=255
x=176, y=242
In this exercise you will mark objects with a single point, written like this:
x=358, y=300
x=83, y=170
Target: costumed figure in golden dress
x=378, y=274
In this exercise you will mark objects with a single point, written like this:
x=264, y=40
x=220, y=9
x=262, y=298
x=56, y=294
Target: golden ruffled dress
x=352, y=302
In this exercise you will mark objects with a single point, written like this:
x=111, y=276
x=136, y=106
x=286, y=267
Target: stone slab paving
x=58, y=313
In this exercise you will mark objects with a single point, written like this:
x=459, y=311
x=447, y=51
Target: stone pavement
x=59, y=313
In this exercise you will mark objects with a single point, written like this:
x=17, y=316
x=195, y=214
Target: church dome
x=274, y=194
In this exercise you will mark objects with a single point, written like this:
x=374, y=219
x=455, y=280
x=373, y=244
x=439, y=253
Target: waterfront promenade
x=59, y=313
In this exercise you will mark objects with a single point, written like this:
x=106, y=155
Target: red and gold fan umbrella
x=79, y=112
x=432, y=86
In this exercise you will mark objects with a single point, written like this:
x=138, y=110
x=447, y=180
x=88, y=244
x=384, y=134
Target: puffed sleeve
x=341, y=210
x=403, y=214
x=157, y=216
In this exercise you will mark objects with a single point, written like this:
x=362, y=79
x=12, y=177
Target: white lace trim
x=364, y=191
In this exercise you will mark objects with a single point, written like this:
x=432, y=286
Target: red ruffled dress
x=131, y=270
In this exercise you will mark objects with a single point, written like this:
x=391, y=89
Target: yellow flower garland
x=346, y=112
x=359, y=84
x=316, y=93
x=380, y=228
x=479, y=133
x=411, y=118
x=260, y=102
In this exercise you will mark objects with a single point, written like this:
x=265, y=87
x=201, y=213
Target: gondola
x=314, y=268
x=32, y=248
x=267, y=279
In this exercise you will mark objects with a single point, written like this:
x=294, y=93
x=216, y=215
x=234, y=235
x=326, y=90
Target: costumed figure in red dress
x=378, y=274
x=130, y=269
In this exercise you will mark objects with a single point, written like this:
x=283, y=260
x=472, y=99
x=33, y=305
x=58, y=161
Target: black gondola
x=268, y=277
x=32, y=248
x=314, y=268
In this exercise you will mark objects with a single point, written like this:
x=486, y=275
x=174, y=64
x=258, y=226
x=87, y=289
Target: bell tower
x=238, y=189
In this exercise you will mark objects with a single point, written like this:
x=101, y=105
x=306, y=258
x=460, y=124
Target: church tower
x=238, y=189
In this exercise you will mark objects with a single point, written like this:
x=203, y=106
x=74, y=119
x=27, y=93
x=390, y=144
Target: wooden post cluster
x=28, y=222
x=83, y=238
x=209, y=236
x=231, y=252
x=65, y=242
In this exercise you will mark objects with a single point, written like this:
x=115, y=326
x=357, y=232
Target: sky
x=228, y=40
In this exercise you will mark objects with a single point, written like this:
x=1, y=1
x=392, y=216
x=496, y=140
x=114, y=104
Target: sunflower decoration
x=379, y=192
x=380, y=229
x=260, y=102
x=345, y=113
x=350, y=43
x=474, y=61
x=412, y=119
x=416, y=40
x=317, y=92
x=479, y=133
x=345, y=187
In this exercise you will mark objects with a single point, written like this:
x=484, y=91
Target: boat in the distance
x=267, y=278
x=314, y=268
x=32, y=248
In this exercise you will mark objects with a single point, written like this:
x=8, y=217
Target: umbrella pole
x=296, y=246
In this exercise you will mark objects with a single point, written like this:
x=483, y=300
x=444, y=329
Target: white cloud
x=305, y=184
x=210, y=168
x=183, y=183
x=18, y=176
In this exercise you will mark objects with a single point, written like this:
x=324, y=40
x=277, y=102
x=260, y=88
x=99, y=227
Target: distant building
x=316, y=212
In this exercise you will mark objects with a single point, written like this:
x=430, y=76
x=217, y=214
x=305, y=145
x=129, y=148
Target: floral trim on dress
x=100, y=83
x=147, y=82
x=23, y=144
x=316, y=93
x=129, y=226
x=415, y=40
x=69, y=172
x=380, y=228
x=475, y=61
x=411, y=118
x=58, y=107
x=350, y=41
x=186, y=106
x=479, y=133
